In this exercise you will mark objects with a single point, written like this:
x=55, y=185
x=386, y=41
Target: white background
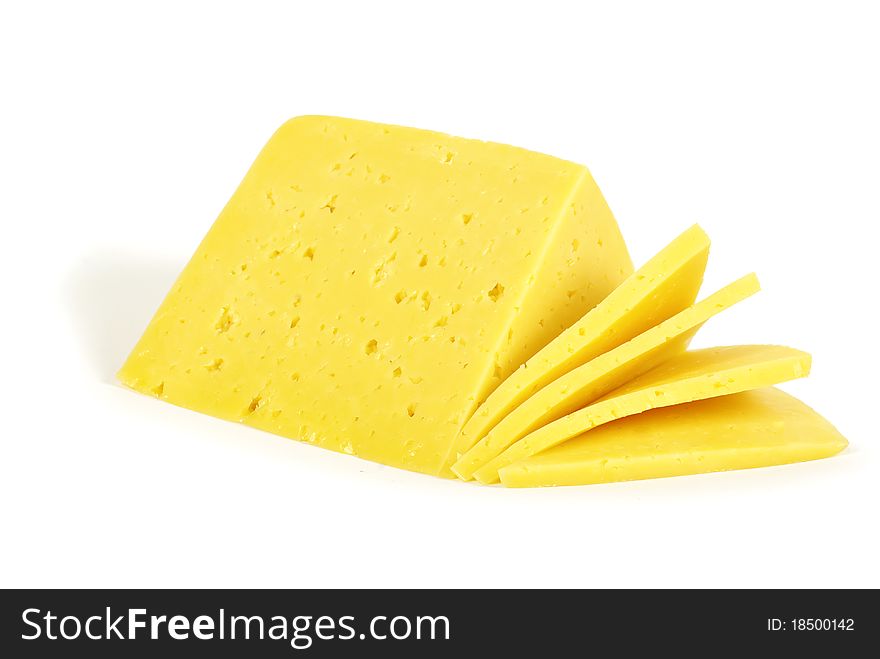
x=125, y=130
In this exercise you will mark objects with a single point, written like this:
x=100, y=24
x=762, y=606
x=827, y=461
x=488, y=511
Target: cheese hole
x=294, y=377
x=496, y=292
x=467, y=217
x=226, y=321
x=582, y=331
x=411, y=410
x=397, y=372
x=399, y=296
x=426, y=300
x=371, y=347
x=215, y=365
x=309, y=253
x=294, y=322
x=255, y=404
x=441, y=321
x=384, y=178
x=424, y=261
x=159, y=389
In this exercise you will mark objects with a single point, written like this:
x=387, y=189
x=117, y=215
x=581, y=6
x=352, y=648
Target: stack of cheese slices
x=464, y=309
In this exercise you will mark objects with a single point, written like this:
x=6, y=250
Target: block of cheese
x=687, y=377
x=757, y=428
x=605, y=373
x=367, y=286
x=664, y=286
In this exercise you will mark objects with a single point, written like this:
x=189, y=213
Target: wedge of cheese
x=690, y=376
x=664, y=286
x=605, y=373
x=367, y=286
x=757, y=428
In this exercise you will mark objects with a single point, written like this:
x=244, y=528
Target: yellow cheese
x=752, y=429
x=368, y=285
x=610, y=370
x=664, y=286
x=685, y=378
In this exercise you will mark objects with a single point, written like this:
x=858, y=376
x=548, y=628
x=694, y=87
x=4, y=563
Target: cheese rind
x=759, y=428
x=694, y=375
x=664, y=286
x=357, y=290
x=605, y=373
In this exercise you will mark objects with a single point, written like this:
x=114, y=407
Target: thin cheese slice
x=605, y=373
x=664, y=286
x=367, y=286
x=691, y=376
x=757, y=428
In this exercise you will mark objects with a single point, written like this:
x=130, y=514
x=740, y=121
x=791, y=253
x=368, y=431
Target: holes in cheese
x=606, y=372
x=757, y=428
x=367, y=286
x=687, y=377
x=664, y=286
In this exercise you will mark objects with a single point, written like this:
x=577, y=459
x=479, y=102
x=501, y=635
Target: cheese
x=752, y=429
x=610, y=370
x=685, y=378
x=664, y=286
x=367, y=286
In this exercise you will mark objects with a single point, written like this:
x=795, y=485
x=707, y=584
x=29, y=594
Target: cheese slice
x=597, y=377
x=664, y=286
x=690, y=376
x=367, y=286
x=757, y=428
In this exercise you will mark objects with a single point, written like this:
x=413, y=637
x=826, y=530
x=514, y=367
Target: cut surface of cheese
x=368, y=285
x=664, y=286
x=586, y=383
x=757, y=428
x=690, y=376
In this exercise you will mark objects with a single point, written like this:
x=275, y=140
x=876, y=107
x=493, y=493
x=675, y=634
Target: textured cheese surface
x=690, y=376
x=597, y=377
x=752, y=429
x=664, y=286
x=368, y=285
